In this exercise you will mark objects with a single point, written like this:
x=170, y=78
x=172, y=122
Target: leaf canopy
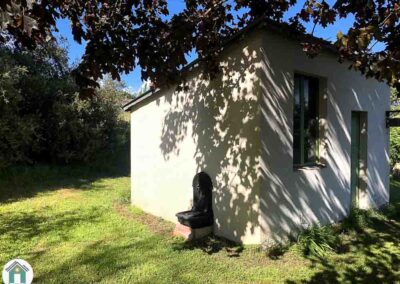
x=123, y=34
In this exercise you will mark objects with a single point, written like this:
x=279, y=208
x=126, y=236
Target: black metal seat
x=201, y=214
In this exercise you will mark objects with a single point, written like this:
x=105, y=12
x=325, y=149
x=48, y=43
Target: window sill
x=312, y=166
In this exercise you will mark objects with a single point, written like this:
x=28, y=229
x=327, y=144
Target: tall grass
x=318, y=241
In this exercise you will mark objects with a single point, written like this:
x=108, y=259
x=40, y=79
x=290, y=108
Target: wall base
x=190, y=234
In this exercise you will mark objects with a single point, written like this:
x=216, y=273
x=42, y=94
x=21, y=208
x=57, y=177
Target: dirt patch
x=155, y=224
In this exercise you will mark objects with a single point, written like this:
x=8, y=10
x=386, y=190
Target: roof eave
x=128, y=106
x=272, y=26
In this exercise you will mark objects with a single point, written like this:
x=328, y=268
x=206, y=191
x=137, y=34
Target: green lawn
x=74, y=225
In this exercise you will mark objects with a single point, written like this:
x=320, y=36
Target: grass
x=318, y=241
x=74, y=225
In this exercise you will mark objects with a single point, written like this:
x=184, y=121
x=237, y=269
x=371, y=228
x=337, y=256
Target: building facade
x=288, y=141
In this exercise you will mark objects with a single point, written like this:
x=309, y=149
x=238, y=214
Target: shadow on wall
x=222, y=118
x=293, y=199
x=242, y=123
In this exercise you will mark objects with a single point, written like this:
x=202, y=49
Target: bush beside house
x=42, y=117
x=395, y=139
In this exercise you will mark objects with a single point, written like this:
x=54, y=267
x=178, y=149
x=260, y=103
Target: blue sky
x=133, y=80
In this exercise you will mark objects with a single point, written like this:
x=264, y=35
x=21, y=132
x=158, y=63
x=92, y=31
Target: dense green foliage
x=357, y=220
x=121, y=35
x=323, y=242
x=394, y=132
x=42, y=118
x=394, y=145
x=318, y=241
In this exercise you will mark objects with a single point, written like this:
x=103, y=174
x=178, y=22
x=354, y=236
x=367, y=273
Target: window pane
x=310, y=119
x=297, y=122
x=305, y=120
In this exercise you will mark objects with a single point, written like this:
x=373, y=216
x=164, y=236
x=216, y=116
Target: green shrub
x=18, y=131
x=394, y=133
x=318, y=241
x=278, y=250
x=392, y=211
x=43, y=119
x=83, y=127
x=357, y=220
x=394, y=146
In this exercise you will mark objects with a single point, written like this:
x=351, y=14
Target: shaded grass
x=75, y=225
x=24, y=182
x=369, y=249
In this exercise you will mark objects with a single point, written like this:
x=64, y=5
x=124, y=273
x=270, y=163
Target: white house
x=288, y=141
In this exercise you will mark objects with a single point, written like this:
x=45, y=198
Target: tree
x=121, y=35
x=43, y=119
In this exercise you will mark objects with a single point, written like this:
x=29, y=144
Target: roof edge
x=138, y=99
x=272, y=26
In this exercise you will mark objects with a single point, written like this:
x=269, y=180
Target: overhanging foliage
x=121, y=35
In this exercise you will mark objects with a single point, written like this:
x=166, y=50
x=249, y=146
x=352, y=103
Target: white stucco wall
x=211, y=127
x=238, y=129
x=290, y=198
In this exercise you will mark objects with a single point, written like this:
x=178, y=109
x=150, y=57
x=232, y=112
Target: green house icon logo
x=17, y=271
